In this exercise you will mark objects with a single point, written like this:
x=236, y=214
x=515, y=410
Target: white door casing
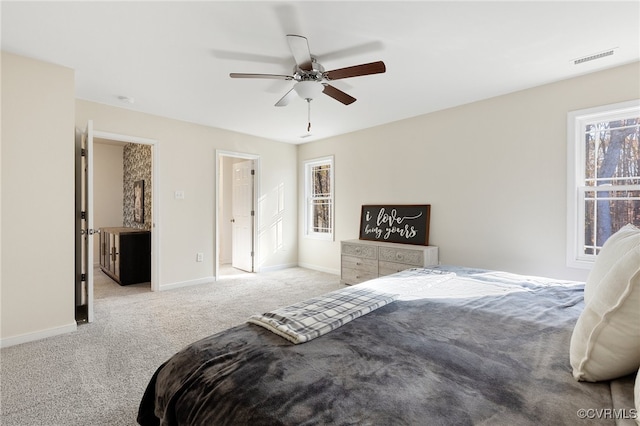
x=155, y=190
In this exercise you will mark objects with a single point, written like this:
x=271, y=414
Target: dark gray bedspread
x=491, y=360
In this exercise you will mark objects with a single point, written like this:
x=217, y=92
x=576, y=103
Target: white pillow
x=606, y=339
x=614, y=248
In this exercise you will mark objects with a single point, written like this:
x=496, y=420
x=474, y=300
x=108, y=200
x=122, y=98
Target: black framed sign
x=406, y=223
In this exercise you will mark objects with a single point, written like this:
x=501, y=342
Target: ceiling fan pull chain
x=308, y=115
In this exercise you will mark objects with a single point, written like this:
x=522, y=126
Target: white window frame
x=576, y=122
x=308, y=222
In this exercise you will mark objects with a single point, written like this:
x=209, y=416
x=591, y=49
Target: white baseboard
x=38, y=335
x=319, y=268
x=171, y=286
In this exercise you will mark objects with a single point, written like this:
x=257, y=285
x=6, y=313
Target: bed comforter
x=501, y=358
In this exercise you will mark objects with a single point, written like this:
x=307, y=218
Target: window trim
x=308, y=222
x=576, y=120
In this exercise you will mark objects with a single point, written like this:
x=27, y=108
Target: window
x=603, y=177
x=319, y=198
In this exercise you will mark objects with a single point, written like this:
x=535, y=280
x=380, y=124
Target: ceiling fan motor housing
x=316, y=73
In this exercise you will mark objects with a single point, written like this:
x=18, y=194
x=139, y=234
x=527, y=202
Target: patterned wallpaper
x=137, y=166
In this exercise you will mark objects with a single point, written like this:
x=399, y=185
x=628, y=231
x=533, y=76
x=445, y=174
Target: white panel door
x=242, y=216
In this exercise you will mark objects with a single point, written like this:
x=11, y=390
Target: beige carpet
x=96, y=375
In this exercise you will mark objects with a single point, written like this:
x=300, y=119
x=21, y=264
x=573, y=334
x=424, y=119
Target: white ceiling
x=174, y=58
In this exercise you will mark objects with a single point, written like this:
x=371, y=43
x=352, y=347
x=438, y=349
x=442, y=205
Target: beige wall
x=37, y=284
x=186, y=161
x=493, y=171
x=107, y=189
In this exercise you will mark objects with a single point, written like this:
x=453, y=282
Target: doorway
x=122, y=203
x=107, y=198
x=236, y=213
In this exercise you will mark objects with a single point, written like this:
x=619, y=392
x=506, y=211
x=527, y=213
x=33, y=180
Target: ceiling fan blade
x=284, y=101
x=250, y=57
x=272, y=76
x=300, y=51
x=348, y=52
x=338, y=94
x=356, y=71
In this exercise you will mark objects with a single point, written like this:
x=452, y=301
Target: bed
x=441, y=346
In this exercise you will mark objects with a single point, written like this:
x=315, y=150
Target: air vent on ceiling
x=126, y=99
x=593, y=57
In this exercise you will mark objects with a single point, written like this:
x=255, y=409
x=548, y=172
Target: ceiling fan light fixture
x=308, y=89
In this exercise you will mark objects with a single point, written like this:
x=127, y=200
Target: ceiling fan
x=311, y=78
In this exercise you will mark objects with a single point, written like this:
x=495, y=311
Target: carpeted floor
x=96, y=375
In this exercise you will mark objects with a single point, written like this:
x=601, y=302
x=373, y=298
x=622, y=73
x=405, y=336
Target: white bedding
x=419, y=283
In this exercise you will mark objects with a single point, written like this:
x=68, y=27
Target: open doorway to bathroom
x=92, y=248
x=123, y=200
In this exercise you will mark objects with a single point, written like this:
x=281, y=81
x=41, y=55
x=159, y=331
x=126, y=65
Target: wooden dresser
x=125, y=254
x=363, y=260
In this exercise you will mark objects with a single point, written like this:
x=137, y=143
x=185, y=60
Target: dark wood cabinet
x=125, y=254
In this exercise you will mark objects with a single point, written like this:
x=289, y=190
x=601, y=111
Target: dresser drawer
x=398, y=255
x=360, y=264
x=360, y=250
x=354, y=276
x=388, y=268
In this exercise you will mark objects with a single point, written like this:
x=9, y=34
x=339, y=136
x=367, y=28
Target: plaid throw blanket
x=314, y=317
